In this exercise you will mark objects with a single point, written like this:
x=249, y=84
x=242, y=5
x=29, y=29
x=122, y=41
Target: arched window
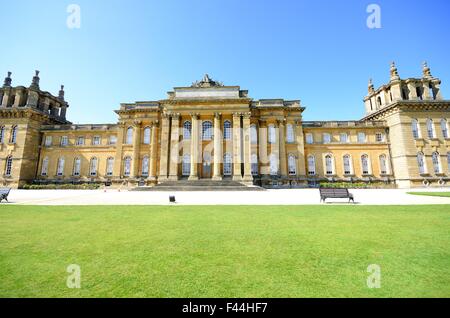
x=227, y=164
x=207, y=130
x=76, y=167
x=254, y=162
x=44, y=168
x=8, y=167
x=129, y=138
x=347, y=164
x=415, y=128
x=273, y=164
x=145, y=166
x=292, y=165
x=2, y=134
x=421, y=163
x=187, y=130
x=430, y=128
x=186, y=165
x=289, y=133
x=379, y=101
x=419, y=93
x=60, y=167
x=93, y=167
x=147, y=135
x=444, y=128
x=253, y=134
x=127, y=166
x=383, y=165
x=109, y=166
x=435, y=158
x=13, y=134
x=326, y=138
x=365, y=164
x=227, y=130
x=272, y=134
x=329, y=165
x=311, y=165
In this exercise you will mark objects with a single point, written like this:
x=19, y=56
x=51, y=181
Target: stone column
x=5, y=99
x=237, y=174
x=275, y=148
x=63, y=111
x=217, y=147
x=194, y=148
x=282, y=147
x=301, y=166
x=118, y=156
x=136, y=147
x=262, y=145
x=164, y=148
x=247, y=149
x=154, y=151
x=175, y=147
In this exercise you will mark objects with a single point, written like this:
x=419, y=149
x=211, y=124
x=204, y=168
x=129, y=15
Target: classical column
x=275, y=149
x=164, y=147
x=262, y=145
x=217, y=147
x=136, y=148
x=118, y=157
x=237, y=174
x=301, y=166
x=194, y=148
x=247, y=149
x=282, y=147
x=175, y=147
x=154, y=151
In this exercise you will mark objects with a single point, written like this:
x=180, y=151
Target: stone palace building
x=212, y=131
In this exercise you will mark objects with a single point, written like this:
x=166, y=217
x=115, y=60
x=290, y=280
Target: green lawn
x=225, y=251
x=432, y=194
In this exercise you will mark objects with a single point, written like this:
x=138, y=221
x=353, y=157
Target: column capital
x=137, y=123
x=217, y=115
x=175, y=115
x=247, y=115
x=281, y=122
x=165, y=115
x=236, y=114
x=195, y=115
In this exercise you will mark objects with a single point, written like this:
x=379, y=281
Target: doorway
x=206, y=166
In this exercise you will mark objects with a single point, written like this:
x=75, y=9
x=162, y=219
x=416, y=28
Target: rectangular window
x=48, y=141
x=64, y=141
x=361, y=137
x=343, y=137
x=309, y=139
x=112, y=140
x=379, y=137
x=80, y=141
x=96, y=140
x=326, y=138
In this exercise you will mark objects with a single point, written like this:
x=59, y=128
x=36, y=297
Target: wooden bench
x=4, y=194
x=335, y=193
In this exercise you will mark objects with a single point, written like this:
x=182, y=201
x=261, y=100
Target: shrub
x=54, y=186
x=356, y=185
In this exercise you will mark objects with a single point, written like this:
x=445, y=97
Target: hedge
x=53, y=186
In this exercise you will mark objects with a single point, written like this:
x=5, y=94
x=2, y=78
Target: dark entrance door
x=206, y=169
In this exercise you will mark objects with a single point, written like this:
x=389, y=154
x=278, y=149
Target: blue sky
x=318, y=51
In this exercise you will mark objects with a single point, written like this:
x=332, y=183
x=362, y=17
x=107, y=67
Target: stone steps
x=200, y=185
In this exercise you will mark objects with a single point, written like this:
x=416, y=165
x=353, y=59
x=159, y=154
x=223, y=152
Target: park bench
x=335, y=193
x=4, y=194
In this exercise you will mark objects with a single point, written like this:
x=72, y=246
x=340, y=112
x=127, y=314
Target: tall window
x=415, y=128
x=430, y=128
x=207, y=130
x=347, y=164
x=272, y=134
x=254, y=162
x=273, y=164
x=311, y=165
x=365, y=164
x=44, y=168
x=292, y=165
x=309, y=139
x=145, y=166
x=112, y=140
x=227, y=130
x=93, y=166
x=147, y=135
x=127, y=166
x=227, y=164
x=379, y=137
x=2, y=133
x=326, y=138
x=48, y=141
x=448, y=161
x=435, y=158
x=444, y=128
x=383, y=165
x=343, y=137
x=253, y=134
x=289, y=133
x=64, y=141
x=14, y=134
x=421, y=163
x=129, y=139
x=187, y=130
x=109, y=166
x=8, y=168
x=329, y=165
x=60, y=167
x=96, y=140
x=76, y=167
x=361, y=137
x=80, y=141
x=186, y=165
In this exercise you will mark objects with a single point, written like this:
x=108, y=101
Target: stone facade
x=212, y=131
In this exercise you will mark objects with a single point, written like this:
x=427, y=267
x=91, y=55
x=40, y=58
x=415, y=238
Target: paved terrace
x=269, y=197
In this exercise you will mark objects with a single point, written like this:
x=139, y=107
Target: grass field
x=225, y=251
x=432, y=194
